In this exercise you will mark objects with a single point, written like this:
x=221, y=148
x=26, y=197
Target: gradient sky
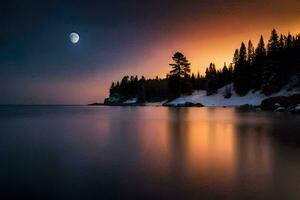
x=39, y=65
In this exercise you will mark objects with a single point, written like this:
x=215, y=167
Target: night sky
x=39, y=64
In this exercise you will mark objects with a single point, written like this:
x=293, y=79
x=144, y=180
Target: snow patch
x=297, y=108
x=218, y=100
x=155, y=103
x=130, y=101
x=280, y=109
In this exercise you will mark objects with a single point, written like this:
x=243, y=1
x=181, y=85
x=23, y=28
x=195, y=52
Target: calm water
x=147, y=153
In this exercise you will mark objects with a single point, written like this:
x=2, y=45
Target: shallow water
x=57, y=152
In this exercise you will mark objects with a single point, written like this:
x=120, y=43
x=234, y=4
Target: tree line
x=266, y=67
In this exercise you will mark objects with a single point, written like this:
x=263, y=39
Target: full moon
x=74, y=38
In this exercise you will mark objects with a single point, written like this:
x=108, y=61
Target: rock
x=284, y=101
x=187, y=104
x=280, y=109
x=96, y=104
x=277, y=104
x=296, y=109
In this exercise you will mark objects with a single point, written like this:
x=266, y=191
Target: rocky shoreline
x=277, y=104
x=282, y=103
x=186, y=104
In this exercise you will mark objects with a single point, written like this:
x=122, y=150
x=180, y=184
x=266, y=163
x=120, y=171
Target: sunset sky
x=39, y=64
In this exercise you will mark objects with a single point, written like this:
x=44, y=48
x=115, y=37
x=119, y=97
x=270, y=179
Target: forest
x=266, y=68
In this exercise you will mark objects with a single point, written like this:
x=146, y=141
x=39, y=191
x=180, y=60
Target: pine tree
x=281, y=44
x=250, y=56
x=141, y=94
x=112, y=89
x=198, y=82
x=211, y=79
x=273, y=44
x=181, y=67
x=271, y=80
x=258, y=65
x=186, y=69
x=260, y=52
x=227, y=76
x=289, y=41
x=231, y=71
x=179, y=77
x=243, y=55
x=242, y=73
x=236, y=57
x=194, y=81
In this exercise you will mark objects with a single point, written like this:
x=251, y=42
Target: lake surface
x=147, y=153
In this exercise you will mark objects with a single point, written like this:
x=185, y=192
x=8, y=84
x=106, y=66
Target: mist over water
x=147, y=152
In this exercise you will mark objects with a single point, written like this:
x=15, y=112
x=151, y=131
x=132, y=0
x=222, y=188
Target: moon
x=74, y=38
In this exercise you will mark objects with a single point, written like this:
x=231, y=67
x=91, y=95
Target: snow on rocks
x=277, y=104
x=130, y=101
x=280, y=109
x=297, y=108
x=155, y=103
x=218, y=100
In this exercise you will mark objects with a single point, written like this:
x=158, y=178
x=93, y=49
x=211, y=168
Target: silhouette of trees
x=141, y=93
x=269, y=69
x=270, y=76
x=262, y=68
x=225, y=75
x=144, y=90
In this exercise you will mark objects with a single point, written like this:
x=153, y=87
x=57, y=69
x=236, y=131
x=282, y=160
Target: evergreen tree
x=194, y=81
x=258, y=65
x=198, y=82
x=179, y=77
x=231, y=71
x=211, y=79
x=273, y=44
x=271, y=80
x=181, y=66
x=112, y=89
x=289, y=41
x=281, y=44
x=242, y=73
x=226, y=75
x=236, y=57
x=250, y=56
x=260, y=52
x=141, y=95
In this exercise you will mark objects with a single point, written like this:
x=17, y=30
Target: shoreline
x=240, y=107
x=289, y=103
x=171, y=106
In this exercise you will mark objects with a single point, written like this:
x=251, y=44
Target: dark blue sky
x=38, y=63
x=35, y=48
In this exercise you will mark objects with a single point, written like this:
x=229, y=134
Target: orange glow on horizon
x=202, y=50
